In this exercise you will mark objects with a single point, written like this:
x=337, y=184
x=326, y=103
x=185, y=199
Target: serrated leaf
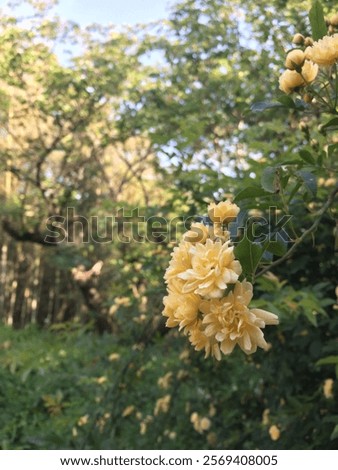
x=250, y=192
x=270, y=180
x=317, y=21
x=249, y=254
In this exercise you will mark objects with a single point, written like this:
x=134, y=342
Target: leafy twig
x=307, y=232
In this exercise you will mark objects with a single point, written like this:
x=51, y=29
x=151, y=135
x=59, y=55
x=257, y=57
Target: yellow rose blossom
x=197, y=233
x=295, y=59
x=223, y=212
x=213, y=267
x=180, y=262
x=201, y=341
x=205, y=298
x=217, y=232
x=230, y=321
x=324, y=52
x=181, y=310
x=290, y=79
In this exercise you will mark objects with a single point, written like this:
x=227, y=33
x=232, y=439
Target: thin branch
x=307, y=232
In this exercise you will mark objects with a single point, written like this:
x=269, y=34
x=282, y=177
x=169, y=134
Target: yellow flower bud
x=223, y=212
x=307, y=98
x=308, y=41
x=298, y=39
x=334, y=20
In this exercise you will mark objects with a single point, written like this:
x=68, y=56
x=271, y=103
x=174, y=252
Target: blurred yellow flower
x=265, y=416
x=164, y=382
x=162, y=405
x=213, y=267
x=328, y=388
x=128, y=411
x=212, y=410
x=324, y=52
x=143, y=428
x=205, y=424
x=101, y=380
x=114, y=357
x=200, y=424
x=83, y=420
x=223, y=212
x=274, y=432
x=230, y=321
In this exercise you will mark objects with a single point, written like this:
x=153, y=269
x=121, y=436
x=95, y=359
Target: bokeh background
x=120, y=120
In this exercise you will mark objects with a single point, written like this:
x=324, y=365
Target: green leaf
x=263, y=105
x=331, y=123
x=277, y=248
x=334, y=434
x=309, y=181
x=249, y=254
x=287, y=102
x=306, y=156
x=270, y=180
x=327, y=361
x=250, y=192
x=317, y=21
x=332, y=150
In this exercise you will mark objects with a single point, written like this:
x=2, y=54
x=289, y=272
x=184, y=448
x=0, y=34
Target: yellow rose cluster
x=205, y=297
x=303, y=65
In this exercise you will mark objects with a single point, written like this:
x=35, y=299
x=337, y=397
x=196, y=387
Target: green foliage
x=71, y=389
x=204, y=124
x=317, y=21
